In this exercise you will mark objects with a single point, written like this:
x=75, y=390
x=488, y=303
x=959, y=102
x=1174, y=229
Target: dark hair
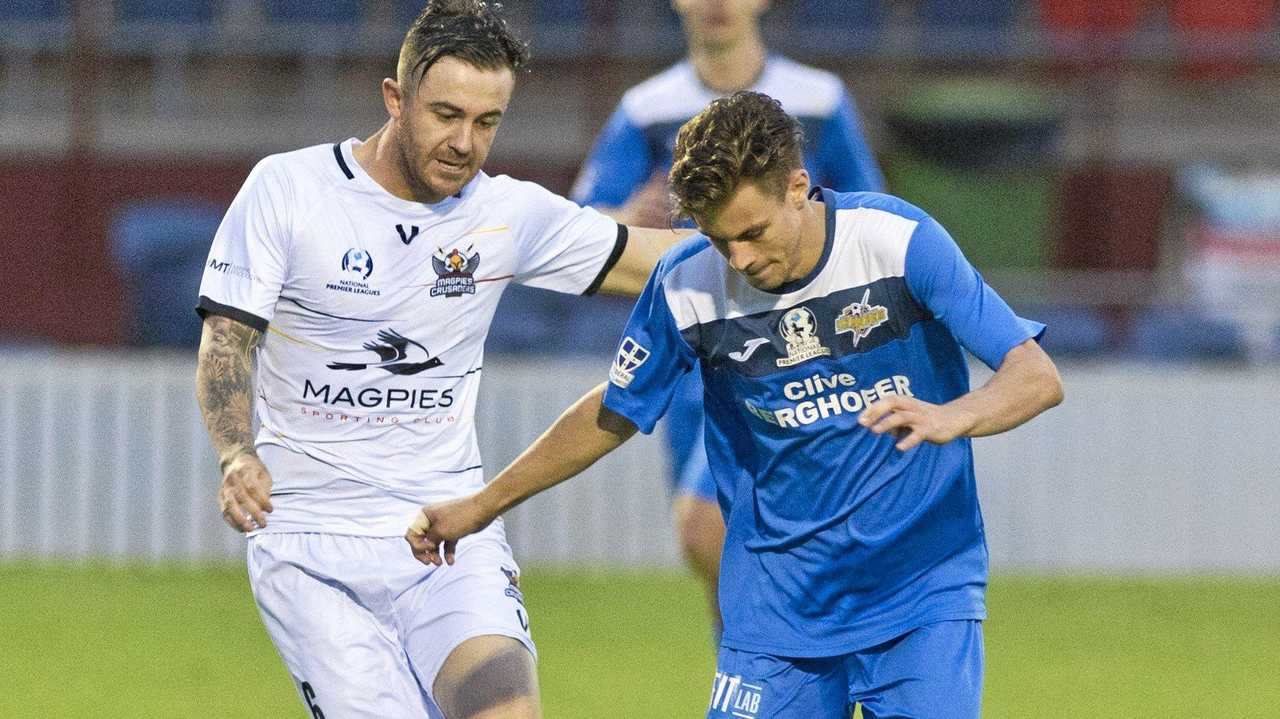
x=471, y=30
x=744, y=137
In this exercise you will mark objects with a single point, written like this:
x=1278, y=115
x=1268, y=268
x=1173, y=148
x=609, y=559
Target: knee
x=493, y=680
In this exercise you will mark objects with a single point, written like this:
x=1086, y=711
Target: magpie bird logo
x=397, y=354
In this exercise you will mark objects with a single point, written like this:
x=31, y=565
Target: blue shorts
x=690, y=474
x=934, y=672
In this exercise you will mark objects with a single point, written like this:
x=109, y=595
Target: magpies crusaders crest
x=397, y=354
x=455, y=272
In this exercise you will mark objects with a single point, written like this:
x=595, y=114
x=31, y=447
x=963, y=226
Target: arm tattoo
x=224, y=385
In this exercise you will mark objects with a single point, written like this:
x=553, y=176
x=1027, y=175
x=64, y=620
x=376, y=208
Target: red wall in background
x=61, y=283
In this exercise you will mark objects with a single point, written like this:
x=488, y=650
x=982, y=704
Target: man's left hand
x=915, y=421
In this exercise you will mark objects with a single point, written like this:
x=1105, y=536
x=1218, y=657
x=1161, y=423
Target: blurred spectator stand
x=1224, y=39
x=1232, y=256
x=160, y=247
x=978, y=156
x=27, y=29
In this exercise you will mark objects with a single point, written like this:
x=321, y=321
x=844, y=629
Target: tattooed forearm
x=224, y=385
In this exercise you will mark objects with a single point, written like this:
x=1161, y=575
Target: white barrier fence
x=1142, y=469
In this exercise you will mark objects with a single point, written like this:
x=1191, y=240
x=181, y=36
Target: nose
x=741, y=257
x=460, y=140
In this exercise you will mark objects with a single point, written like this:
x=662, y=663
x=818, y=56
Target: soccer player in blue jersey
x=625, y=176
x=828, y=329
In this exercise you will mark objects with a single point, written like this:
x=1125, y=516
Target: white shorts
x=364, y=627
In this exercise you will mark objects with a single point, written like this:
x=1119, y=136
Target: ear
x=392, y=98
x=798, y=187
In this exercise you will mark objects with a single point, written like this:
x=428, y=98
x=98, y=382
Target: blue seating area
x=189, y=11
x=319, y=12
x=967, y=27
x=852, y=26
x=34, y=25
x=159, y=247
x=927, y=29
x=33, y=10
x=1074, y=331
x=1183, y=334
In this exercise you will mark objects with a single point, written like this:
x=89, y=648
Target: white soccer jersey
x=375, y=311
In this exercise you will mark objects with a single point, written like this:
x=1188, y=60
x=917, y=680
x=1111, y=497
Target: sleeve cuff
x=209, y=307
x=620, y=408
x=619, y=246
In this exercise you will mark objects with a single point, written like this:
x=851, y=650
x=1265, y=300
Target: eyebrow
x=441, y=105
x=759, y=226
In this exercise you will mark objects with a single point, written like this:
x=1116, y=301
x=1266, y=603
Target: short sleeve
x=247, y=262
x=943, y=281
x=843, y=157
x=562, y=246
x=619, y=163
x=652, y=360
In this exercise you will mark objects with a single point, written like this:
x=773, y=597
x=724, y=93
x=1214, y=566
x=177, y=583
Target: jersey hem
x=312, y=530
x=209, y=307
x=851, y=646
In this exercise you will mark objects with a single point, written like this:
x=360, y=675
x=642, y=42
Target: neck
x=730, y=67
x=813, y=238
x=382, y=159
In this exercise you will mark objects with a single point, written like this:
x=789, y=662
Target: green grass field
x=173, y=642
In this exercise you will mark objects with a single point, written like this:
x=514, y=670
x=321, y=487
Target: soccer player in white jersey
x=625, y=176
x=362, y=277
x=828, y=329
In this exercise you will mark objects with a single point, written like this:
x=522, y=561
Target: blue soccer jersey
x=638, y=141
x=640, y=136
x=836, y=540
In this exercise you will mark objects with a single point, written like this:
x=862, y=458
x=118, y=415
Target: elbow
x=1052, y=387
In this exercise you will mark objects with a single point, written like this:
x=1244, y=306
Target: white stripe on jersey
x=678, y=94
x=868, y=245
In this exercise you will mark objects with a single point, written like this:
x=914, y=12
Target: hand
x=436, y=530
x=915, y=421
x=245, y=495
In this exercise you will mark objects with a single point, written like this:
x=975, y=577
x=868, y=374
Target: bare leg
x=488, y=677
x=701, y=531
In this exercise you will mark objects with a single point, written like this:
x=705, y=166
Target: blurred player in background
x=828, y=329
x=362, y=277
x=625, y=176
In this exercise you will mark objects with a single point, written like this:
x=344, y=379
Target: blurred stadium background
x=1112, y=166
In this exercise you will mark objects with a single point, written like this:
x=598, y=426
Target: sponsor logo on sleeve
x=860, y=318
x=455, y=272
x=630, y=356
x=230, y=269
x=800, y=330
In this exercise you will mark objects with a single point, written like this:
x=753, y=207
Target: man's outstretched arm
x=1025, y=385
x=645, y=246
x=585, y=432
x=224, y=388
